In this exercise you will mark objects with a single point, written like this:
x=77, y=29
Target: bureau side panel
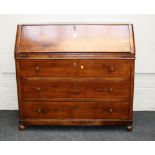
x=19, y=89
x=132, y=68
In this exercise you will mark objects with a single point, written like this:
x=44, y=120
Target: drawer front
x=48, y=88
x=75, y=110
x=86, y=68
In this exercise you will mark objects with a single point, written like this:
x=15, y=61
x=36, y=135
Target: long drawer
x=42, y=89
x=77, y=68
x=75, y=110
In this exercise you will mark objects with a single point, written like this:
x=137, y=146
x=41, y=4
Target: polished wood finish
x=75, y=38
x=75, y=74
x=75, y=68
x=75, y=110
x=42, y=89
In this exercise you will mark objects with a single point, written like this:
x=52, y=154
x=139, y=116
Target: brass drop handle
x=74, y=64
x=38, y=89
x=112, y=69
x=110, y=90
x=110, y=110
x=37, y=68
x=82, y=67
x=39, y=110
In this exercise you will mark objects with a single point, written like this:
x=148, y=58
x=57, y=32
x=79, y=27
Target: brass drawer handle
x=37, y=68
x=111, y=68
x=110, y=110
x=39, y=110
x=110, y=90
x=38, y=89
x=82, y=67
x=75, y=64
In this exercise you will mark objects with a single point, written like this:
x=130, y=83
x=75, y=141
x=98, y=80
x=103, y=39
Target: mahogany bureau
x=75, y=74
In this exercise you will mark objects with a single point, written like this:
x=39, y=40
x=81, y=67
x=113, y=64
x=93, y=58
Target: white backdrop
x=144, y=27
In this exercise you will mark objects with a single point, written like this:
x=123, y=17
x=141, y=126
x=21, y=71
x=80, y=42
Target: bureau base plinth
x=76, y=122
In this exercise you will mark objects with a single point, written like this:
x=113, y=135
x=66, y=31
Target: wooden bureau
x=75, y=74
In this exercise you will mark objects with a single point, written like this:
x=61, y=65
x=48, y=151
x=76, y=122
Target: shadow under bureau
x=75, y=74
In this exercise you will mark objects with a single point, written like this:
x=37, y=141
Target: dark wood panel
x=79, y=68
x=46, y=88
x=76, y=110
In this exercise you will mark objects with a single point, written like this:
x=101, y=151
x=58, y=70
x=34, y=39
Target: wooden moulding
x=76, y=122
x=73, y=55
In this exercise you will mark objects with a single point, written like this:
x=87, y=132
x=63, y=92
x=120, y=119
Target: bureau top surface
x=75, y=38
